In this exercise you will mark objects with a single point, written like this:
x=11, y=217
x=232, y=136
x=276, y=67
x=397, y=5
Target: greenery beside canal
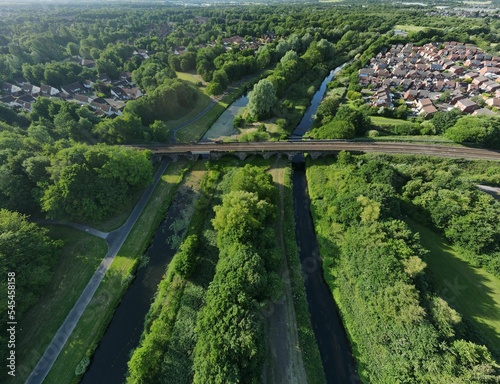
x=177, y=335
x=196, y=130
x=165, y=350
x=99, y=312
x=401, y=329
x=307, y=341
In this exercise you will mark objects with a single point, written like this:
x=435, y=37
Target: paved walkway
x=81, y=227
x=173, y=132
x=115, y=240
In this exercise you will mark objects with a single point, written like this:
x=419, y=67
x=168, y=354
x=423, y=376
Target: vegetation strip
x=310, y=353
x=168, y=338
x=374, y=266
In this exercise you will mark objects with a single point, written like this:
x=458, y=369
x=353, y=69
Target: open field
x=379, y=120
x=411, y=28
x=94, y=320
x=472, y=291
x=79, y=259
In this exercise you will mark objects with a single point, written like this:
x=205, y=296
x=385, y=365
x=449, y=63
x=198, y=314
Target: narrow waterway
x=224, y=125
x=308, y=118
x=333, y=344
x=109, y=362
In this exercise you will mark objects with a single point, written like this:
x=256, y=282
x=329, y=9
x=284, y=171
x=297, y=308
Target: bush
x=336, y=129
x=81, y=368
x=187, y=257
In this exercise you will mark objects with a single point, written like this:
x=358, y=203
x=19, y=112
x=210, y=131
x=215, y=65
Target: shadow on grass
x=469, y=289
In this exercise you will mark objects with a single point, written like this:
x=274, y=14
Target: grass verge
x=310, y=352
x=99, y=312
x=80, y=256
x=473, y=291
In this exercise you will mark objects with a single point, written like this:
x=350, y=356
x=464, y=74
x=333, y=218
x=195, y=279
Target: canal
x=109, y=362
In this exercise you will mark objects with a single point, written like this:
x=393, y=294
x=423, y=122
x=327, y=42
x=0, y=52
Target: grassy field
x=79, y=259
x=94, y=320
x=379, y=120
x=472, y=291
x=411, y=28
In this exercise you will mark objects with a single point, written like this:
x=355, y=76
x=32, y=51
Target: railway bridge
x=314, y=148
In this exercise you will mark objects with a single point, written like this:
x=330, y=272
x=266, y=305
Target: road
x=312, y=146
x=115, y=240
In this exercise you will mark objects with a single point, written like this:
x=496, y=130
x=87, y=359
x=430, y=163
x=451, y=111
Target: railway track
x=327, y=146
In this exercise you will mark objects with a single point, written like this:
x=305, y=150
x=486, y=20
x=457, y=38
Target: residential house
x=428, y=110
x=88, y=84
x=103, y=77
x=489, y=70
x=119, y=93
x=493, y=102
x=11, y=89
x=20, y=80
x=484, y=111
x=9, y=100
x=466, y=105
x=479, y=80
x=32, y=90
x=456, y=97
x=490, y=86
x=71, y=89
x=421, y=103
x=82, y=99
x=410, y=95
x=47, y=90
x=133, y=93
x=455, y=69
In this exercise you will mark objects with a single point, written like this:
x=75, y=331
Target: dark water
x=331, y=337
x=308, y=118
x=109, y=362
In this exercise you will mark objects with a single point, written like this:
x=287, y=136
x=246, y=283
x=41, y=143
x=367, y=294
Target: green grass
x=411, y=28
x=79, y=259
x=190, y=77
x=474, y=292
x=417, y=138
x=100, y=310
x=379, y=120
x=195, y=131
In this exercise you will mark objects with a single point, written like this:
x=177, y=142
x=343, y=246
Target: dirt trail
x=284, y=363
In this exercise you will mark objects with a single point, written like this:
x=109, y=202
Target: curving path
x=173, y=132
x=115, y=240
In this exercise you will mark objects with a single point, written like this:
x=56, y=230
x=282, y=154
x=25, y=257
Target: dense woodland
x=400, y=328
x=59, y=160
